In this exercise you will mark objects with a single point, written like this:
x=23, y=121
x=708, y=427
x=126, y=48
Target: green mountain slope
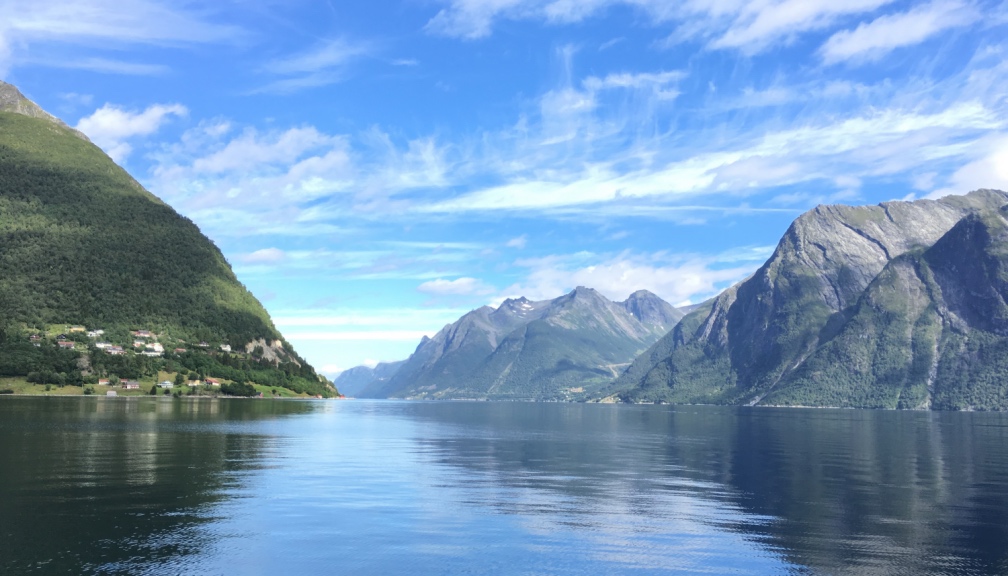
x=931, y=331
x=82, y=243
x=562, y=348
x=796, y=332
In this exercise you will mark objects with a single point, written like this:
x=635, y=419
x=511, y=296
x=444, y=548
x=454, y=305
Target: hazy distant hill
x=561, y=348
x=901, y=305
x=81, y=242
x=353, y=381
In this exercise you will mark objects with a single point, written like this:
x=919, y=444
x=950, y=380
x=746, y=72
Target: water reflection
x=119, y=485
x=837, y=492
x=229, y=486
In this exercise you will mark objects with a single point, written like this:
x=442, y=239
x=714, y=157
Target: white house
x=166, y=384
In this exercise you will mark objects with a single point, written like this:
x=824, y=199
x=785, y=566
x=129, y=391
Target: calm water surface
x=208, y=486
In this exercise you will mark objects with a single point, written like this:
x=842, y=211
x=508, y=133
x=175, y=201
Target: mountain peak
x=651, y=310
x=512, y=302
x=12, y=100
x=642, y=295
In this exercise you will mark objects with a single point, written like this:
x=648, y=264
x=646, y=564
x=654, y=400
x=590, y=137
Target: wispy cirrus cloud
x=70, y=33
x=755, y=26
x=100, y=65
x=320, y=65
x=750, y=27
x=890, y=138
x=872, y=40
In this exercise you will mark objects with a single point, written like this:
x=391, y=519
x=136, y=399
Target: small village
x=171, y=378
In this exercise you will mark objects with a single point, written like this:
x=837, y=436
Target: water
x=211, y=486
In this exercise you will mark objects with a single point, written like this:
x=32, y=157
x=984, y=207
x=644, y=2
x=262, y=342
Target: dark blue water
x=211, y=486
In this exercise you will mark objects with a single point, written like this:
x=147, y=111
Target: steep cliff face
x=559, y=348
x=752, y=340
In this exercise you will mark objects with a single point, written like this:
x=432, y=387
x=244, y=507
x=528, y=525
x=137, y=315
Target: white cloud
x=331, y=54
x=83, y=24
x=252, y=149
x=265, y=256
x=877, y=143
x=321, y=65
x=758, y=25
x=134, y=21
x=518, y=242
x=472, y=19
x=464, y=286
x=870, y=41
x=677, y=279
x=110, y=126
x=656, y=82
x=724, y=24
x=101, y=65
x=989, y=171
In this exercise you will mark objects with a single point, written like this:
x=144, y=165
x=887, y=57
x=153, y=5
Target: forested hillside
x=82, y=243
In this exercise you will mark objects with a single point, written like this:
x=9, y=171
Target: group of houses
x=144, y=342
x=126, y=384
x=135, y=385
x=168, y=384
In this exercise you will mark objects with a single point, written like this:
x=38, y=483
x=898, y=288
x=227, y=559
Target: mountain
x=552, y=349
x=353, y=381
x=895, y=306
x=82, y=243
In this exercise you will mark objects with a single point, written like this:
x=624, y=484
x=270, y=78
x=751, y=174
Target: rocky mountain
x=561, y=348
x=355, y=380
x=895, y=305
x=82, y=243
x=12, y=100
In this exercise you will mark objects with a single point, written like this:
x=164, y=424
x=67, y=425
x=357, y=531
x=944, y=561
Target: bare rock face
x=271, y=351
x=749, y=341
x=12, y=100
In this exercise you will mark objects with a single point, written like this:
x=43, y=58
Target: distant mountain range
x=355, y=380
x=564, y=348
x=900, y=305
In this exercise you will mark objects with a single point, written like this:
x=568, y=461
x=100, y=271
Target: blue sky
x=373, y=170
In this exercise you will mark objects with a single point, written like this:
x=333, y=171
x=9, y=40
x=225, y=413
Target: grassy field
x=23, y=387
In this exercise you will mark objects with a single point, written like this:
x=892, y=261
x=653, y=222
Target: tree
x=179, y=379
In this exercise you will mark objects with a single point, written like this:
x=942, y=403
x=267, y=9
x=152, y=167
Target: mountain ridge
x=527, y=349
